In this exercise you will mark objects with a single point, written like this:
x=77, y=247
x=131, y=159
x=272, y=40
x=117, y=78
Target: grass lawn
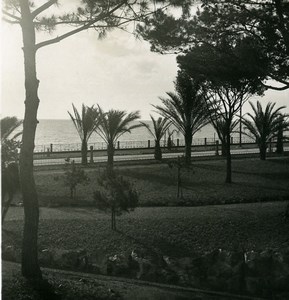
x=253, y=180
x=173, y=231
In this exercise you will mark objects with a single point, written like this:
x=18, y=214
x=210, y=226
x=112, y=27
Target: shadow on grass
x=155, y=178
x=271, y=176
x=263, y=187
x=211, y=167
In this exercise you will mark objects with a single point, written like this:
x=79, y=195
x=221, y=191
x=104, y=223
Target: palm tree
x=9, y=143
x=8, y=125
x=283, y=126
x=113, y=125
x=219, y=125
x=160, y=126
x=264, y=125
x=85, y=125
x=186, y=109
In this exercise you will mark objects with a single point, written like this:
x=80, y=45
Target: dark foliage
x=116, y=195
x=74, y=176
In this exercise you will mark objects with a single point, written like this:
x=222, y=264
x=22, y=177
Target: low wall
x=264, y=273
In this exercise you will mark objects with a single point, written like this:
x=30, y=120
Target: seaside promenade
x=145, y=154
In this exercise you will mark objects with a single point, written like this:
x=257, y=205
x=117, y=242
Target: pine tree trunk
x=30, y=266
x=84, y=152
x=188, y=145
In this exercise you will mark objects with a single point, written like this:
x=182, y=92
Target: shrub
x=74, y=176
x=116, y=195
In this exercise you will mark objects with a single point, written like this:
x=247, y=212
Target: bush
x=74, y=176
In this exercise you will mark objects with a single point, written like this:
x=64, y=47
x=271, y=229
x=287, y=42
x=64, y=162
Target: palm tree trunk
x=110, y=154
x=158, y=151
x=279, y=145
x=188, y=145
x=30, y=266
x=263, y=148
x=84, y=152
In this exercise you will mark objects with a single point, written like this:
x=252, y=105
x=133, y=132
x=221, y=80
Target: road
x=131, y=157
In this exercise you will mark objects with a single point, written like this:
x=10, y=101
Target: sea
x=63, y=135
x=64, y=132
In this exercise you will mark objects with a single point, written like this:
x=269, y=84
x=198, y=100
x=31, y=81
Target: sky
x=117, y=72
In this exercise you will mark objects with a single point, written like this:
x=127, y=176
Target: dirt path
x=17, y=213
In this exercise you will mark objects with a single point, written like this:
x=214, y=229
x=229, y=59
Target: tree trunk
x=158, y=151
x=6, y=205
x=229, y=158
x=110, y=154
x=263, y=148
x=279, y=146
x=169, y=145
x=224, y=149
x=30, y=266
x=188, y=146
x=84, y=152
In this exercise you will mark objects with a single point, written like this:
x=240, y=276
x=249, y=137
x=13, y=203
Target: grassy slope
x=173, y=231
x=253, y=180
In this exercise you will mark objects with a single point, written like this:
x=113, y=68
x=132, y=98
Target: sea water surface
x=63, y=132
x=63, y=136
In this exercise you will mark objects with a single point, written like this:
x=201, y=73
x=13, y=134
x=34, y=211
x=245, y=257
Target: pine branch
x=42, y=8
x=282, y=88
x=9, y=21
x=84, y=27
x=4, y=12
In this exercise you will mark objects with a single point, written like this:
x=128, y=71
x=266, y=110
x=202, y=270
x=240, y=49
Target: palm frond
x=160, y=126
x=115, y=123
x=8, y=125
x=263, y=124
x=87, y=123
